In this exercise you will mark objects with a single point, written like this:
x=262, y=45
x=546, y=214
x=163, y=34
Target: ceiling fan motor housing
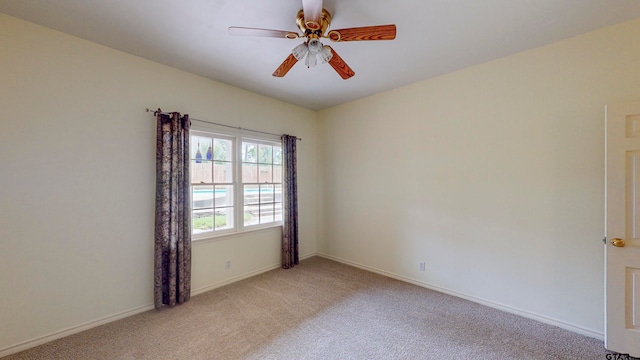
x=311, y=33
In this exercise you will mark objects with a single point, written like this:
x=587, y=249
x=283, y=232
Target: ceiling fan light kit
x=313, y=21
x=312, y=49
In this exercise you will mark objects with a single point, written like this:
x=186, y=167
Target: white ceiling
x=434, y=37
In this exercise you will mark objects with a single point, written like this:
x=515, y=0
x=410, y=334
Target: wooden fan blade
x=286, y=65
x=340, y=66
x=245, y=31
x=379, y=32
x=312, y=14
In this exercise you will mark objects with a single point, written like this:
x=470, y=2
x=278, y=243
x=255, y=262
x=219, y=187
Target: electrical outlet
x=227, y=264
x=421, y=266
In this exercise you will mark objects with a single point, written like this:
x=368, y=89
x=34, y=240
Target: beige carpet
x=322, y=310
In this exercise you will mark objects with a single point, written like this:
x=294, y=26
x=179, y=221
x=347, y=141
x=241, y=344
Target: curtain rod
x=214, y=123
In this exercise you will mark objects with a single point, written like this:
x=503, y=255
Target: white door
x=622, y=229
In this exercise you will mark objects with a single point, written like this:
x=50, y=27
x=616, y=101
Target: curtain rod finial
x=155, y=112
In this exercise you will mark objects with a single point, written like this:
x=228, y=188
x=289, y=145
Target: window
x=236, y=184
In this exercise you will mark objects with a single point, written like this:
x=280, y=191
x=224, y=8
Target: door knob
x=617, y=242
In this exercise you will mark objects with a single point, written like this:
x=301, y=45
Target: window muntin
x=236, y=184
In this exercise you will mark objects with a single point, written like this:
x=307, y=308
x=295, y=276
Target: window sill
x=200, y=239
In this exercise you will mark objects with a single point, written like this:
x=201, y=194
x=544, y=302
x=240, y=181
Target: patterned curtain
x=290, y=219
x=172, y=263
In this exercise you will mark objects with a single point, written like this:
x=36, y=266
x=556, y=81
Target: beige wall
x=77, y=180
x=493, y=176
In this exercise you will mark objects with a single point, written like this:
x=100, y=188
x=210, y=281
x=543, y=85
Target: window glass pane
x=249, y=173
x=266, y=194
x=266, y=213
x=277, y=155
x=265, y=154
x=249, y=152
x=201, y=172
x=251, y=194
x=222, y=172
x=251, y=215
x=222, y=150
x=265, y=173
x=224, y=218
x=202, y=197
x=224, y=196
x=202, y=220
x=199, y=146
x=277, y=173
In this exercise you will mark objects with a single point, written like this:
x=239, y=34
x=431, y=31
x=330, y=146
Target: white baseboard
x=222, y=283
x=210, y=287
x=526, y=314
x=12, y=349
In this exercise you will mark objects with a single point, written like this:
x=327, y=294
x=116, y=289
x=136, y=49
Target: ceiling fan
x=313, y=21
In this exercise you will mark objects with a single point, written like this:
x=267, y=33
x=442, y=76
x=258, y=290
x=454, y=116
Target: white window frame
x=237, y=138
